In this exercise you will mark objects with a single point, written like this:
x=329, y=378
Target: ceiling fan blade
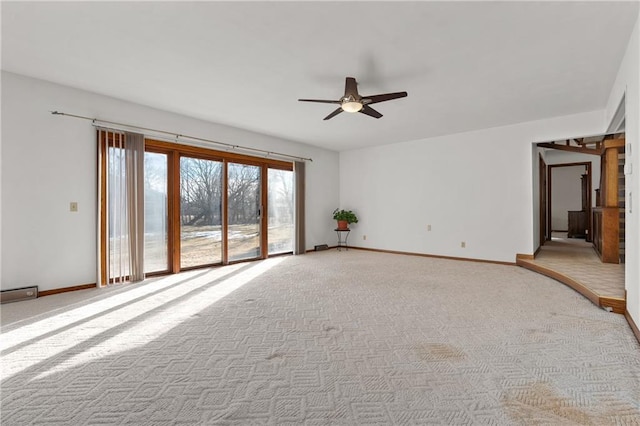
x=333, y=114
x=367, y=110
x=322, y=101
x=384, y=97
x=351, y=87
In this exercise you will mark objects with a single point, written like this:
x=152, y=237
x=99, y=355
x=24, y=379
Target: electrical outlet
x=73, y=206
x=463, y=244
x=428, y=227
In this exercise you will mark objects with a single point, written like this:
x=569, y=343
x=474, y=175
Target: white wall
x=474, y=187
x=628, y=84
x=49, y=161
x=566, y=194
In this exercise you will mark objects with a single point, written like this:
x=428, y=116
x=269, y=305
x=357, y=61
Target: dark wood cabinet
x=577, y=224
x=578, y=220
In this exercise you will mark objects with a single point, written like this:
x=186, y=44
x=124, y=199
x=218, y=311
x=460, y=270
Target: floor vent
x=18, y=294
x=321, y=247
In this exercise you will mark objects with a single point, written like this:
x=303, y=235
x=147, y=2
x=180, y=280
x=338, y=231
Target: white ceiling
x=465, y=65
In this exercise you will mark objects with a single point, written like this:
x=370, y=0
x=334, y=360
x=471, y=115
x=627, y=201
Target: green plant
x=346, y=215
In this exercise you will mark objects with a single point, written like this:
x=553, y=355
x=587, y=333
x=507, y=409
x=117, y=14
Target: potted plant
x=344, y=218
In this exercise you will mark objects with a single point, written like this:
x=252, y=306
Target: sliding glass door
x=201, y=207
x=280, y=195
x=156, y=254
x=200, y=212
x=243, y=211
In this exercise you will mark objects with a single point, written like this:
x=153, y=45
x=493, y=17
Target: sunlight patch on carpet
x=131, y=324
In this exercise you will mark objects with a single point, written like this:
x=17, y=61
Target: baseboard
x=435, y=256
x=617, y=305
x=409, y=253
x=66, y=289
x=18, y=294
x=525, y=256
x=633, y=325
x=313, y=250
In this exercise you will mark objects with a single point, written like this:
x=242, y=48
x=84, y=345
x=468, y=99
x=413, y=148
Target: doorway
x=569, y=200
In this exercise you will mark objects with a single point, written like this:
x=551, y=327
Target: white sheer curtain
x=121, y=198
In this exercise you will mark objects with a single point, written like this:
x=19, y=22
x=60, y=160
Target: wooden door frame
x=550, y=167
x=542, y=172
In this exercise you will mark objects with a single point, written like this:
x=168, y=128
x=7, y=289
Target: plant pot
x=343, y=224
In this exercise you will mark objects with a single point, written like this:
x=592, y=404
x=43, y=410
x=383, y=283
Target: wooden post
x=610, y=248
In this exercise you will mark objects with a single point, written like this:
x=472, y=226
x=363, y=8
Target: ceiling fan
x=354, y=102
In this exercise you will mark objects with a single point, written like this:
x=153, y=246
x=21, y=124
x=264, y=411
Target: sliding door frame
x=174, y=153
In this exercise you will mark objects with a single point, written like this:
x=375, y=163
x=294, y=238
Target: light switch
x=73, y=206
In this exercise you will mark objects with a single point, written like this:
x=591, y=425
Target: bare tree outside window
x=280, y=196
x=243, y=198
x=200, y=212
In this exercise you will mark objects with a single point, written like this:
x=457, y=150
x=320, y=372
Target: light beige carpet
x=349, y=338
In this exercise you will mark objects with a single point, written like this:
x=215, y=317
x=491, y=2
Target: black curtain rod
x=178, y=135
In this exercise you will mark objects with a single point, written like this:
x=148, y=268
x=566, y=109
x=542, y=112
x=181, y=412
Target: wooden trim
x=102, y=147
x=578, y=163
x=66, y=289
x=587, y=165
x=173, y=176
x=634, y=327
x=632, y=324
x=611, y=183
x=589, y=204
x=542, y=199
x=264, y=211
x=610, y=230
x=580, y=288
x=616, y=304
x=614, y=143
x=435, y=256
x=527, y=256
x=225, y=212
x=211, y=154
x=549, y=194
x=580, y=149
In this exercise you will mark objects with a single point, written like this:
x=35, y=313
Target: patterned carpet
x=328, y=338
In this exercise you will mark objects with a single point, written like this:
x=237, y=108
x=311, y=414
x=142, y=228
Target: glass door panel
x=156, y=254
x=280, y=196
x=243, y=211
x=200, y=212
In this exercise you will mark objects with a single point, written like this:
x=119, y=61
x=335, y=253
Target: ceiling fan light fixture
x=353, y=102
x=351, y=106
